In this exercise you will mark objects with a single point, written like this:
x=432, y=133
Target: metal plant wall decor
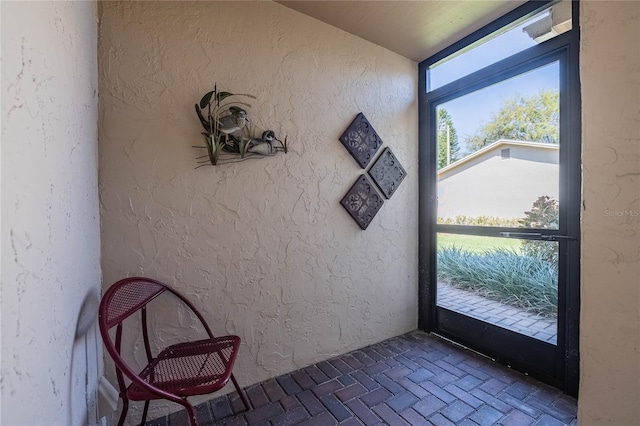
x=363, y=201
x=229, y=134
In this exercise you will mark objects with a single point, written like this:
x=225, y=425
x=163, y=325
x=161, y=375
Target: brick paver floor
x=414, y=379
x=506, y=316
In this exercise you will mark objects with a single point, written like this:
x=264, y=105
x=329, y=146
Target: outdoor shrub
x=543, y=215
x=526, y=281
x=479, y=221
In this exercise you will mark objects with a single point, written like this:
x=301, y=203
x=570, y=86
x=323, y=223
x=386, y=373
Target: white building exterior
x=500, y=180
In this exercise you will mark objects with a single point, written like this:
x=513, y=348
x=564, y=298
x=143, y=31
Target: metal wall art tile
x=362, y=201
x=361, y=140
x=387, y=173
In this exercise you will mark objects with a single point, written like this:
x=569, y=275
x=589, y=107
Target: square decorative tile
x=387, y=173
x=362, y=201
x=361, y=140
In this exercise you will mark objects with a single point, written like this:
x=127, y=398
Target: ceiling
x=414, y=29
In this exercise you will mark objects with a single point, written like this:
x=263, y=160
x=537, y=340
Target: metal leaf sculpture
x=229, y=135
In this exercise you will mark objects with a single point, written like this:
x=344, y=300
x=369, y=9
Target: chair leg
x=144, y=413
x=125, y=408
x=245, y=401
x=193, y=421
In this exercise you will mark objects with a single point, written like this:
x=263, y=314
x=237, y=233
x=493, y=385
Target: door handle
x=559, y=238
x=523, y=235
x=537, y=236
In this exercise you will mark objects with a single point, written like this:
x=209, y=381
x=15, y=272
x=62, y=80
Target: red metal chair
x=178, y=371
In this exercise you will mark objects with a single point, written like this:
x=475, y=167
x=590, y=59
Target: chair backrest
x=126, y=297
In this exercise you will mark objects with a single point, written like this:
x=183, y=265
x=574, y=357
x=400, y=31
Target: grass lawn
x=477, y=244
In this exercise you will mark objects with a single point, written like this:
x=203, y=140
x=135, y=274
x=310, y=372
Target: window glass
x=503, y=43
x=498, y=153
x=506, y=282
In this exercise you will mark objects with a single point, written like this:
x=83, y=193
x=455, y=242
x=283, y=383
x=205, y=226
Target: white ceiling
x=414, y=29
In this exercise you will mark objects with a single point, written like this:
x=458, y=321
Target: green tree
x=544, y=214
x=533, y=119
x=445, y=125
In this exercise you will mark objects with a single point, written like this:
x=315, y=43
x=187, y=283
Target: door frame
x=566, y=48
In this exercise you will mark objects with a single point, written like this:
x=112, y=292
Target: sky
x=472, y=111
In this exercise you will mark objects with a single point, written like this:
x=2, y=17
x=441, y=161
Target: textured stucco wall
x=610, y=287
x=51, y=355
x=263, y=246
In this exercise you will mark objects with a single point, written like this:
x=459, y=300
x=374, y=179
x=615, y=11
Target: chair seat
x=192, y=368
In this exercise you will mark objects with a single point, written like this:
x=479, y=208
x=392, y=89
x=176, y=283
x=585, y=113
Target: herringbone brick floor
x=494, y=312
x=414, y=379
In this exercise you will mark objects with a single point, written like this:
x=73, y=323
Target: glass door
x=503, y=173
x=500, y=212
x=498, y=223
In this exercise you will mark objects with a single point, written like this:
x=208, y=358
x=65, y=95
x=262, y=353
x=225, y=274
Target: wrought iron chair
x=178, y=371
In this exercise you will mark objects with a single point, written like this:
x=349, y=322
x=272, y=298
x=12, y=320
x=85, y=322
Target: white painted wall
x=610, y=276
x=263, y=247
x=491, y=186
x=50, y=222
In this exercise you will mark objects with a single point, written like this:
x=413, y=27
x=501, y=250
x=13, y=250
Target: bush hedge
x=526, y=281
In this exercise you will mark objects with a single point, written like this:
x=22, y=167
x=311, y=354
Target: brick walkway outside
x=506, y=316
x=415, y=379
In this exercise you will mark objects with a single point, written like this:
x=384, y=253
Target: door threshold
x=460, y=345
